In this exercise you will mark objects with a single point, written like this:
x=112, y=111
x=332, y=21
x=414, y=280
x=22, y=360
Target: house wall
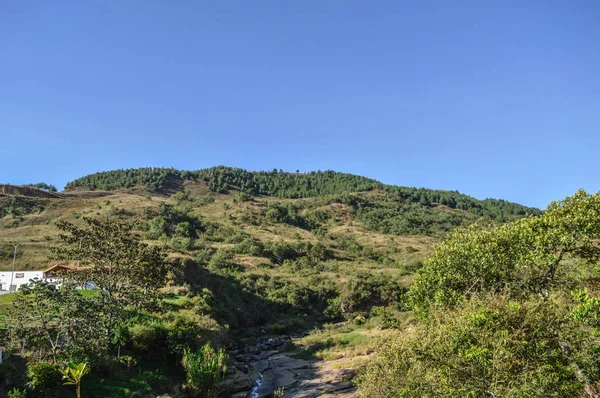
x=20, y=278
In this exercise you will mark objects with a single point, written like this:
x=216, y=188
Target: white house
x=17, y=279
x=52, y=274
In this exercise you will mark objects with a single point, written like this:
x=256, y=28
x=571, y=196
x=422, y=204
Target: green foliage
x=48, y=321
x=156, y=337
x=126, y=384
x=222, y=260
x=287, y=213
x=278, y=252
x=493, y=347
x=249, y=246
x=155, y=179
x=505, y=312
x=128, y=361
x=409, y=210
x=18, y=206
x=17, y=393
x=279, y=393
x=43, y=376
x=73, y=373
x=364, y=291
x=527, y=256
x=126, y=272
x=205, y=369
x=173, y=221
x=284, y=185
x=42, y=185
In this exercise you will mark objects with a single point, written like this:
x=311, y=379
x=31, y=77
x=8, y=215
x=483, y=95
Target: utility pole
x=13, y=267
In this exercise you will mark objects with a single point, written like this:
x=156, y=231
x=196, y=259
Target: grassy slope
x=36, y=232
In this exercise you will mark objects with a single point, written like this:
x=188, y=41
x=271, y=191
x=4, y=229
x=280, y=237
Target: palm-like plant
x=73, y=374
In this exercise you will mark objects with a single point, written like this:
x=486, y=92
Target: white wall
x=20, y=278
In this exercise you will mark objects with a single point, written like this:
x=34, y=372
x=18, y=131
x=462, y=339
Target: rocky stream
x=261, y=369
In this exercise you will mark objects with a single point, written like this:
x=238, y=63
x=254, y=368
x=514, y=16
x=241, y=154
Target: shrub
x=205, y=369
x=17, y=393
x=222, y=260
x=43, y=376
x=410, y=249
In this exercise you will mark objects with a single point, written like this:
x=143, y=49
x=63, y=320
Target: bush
x=249, y=246
x=222, y=260
x=17, y=393
x=43, y=376
x=205, y=369
x=181, y=243
x=488, y=347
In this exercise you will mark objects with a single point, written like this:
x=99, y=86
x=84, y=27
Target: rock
x=260, y=366
x=267, y=354
x=237, y=383
x=335, y=387
x=242, y=368
x=285, y=362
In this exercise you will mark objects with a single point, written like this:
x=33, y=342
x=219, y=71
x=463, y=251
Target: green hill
x=260, y=252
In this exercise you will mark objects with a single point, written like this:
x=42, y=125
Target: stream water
x=256, y=388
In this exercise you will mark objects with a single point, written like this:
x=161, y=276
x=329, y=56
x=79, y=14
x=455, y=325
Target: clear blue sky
x=492, y=98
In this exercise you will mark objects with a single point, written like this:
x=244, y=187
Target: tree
x=127, y=272
x=48, y=321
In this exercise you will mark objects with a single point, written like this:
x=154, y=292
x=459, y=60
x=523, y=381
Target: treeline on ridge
x=280, y=184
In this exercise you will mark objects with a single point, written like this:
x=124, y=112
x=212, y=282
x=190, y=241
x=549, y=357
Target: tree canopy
x=56, y=320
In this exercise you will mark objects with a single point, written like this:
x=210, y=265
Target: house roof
x=64, y=267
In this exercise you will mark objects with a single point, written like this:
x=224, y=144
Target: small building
x=54, y=273
x=12, y=281
x=17, y=278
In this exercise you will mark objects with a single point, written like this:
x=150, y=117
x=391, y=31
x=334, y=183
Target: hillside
x=264, y=252
x=265, y=205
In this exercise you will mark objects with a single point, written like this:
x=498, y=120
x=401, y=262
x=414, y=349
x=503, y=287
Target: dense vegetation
x=42, y=185
x=395, y=203
x=507, y=311
x=231, y=257
x=154, y=179
x=18, y=206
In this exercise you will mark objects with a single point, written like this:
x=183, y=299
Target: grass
x=340, y=341
x=5, y=303
x=35, y=233
x=88, y=292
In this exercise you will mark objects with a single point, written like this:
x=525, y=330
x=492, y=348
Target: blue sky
x=491, y=98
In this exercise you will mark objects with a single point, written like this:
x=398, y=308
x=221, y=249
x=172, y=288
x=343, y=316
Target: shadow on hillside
x=236, y=305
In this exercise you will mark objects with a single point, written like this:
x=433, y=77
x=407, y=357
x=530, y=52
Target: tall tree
x=47, y=321
x=127, y=272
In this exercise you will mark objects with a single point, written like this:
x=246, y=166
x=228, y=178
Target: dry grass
x=35, y=233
